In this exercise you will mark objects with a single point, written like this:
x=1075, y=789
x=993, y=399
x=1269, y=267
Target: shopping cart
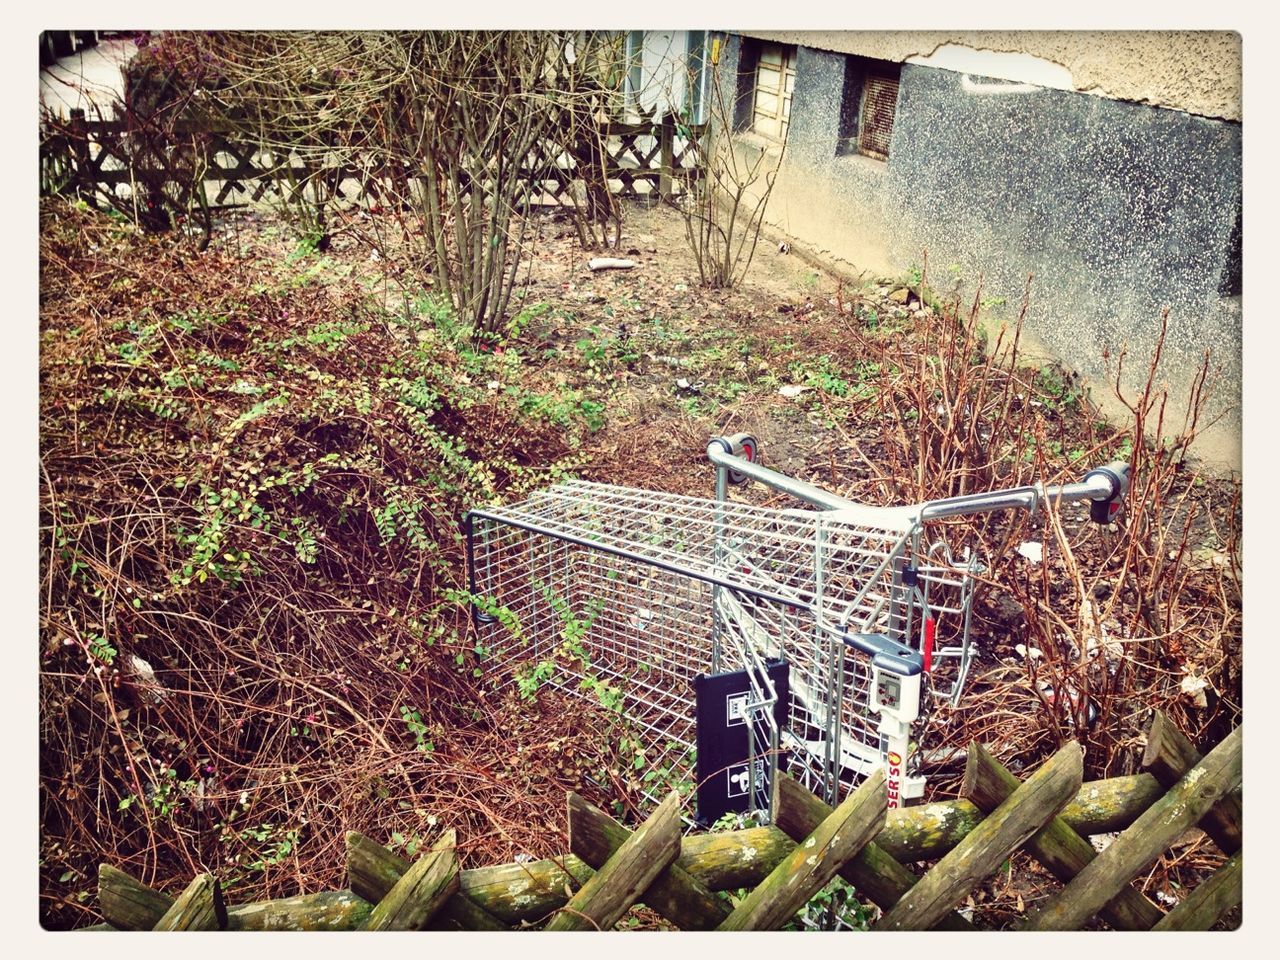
x=841, y=624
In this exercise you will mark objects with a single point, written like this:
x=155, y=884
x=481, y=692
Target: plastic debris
x=1193, y=688
x=1032, y=550
x=610, y=263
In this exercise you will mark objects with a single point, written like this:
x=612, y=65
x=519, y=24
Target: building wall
x=1195, y=71
x=1117, y=209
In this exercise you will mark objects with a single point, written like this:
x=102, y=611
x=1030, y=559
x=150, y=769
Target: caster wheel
x=748, y=448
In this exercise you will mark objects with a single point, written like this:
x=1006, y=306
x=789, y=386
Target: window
x=667, y=70
x=635, y=62
x=775, y=79
x=868, y=103
x=699, y=72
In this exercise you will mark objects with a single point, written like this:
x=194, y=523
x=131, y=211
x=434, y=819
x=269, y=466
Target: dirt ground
x=710, y=363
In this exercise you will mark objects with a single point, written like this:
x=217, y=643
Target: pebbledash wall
x=1118, y=208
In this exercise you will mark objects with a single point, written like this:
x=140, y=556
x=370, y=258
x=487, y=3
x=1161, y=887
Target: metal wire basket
x=630, y=596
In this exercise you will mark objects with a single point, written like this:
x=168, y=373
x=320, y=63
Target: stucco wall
x=1117, y=209
x=1195, y=71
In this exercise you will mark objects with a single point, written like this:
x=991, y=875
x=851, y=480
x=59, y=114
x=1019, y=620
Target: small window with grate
x=867, y=106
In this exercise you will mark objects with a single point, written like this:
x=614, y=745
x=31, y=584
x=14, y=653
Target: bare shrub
x=591, y=81
x=724, y=194
x=1113, y=620
x=441, y=127
x=248, y=521
x=162, y=145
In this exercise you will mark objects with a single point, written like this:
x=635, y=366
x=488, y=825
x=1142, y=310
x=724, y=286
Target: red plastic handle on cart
x=930, y=625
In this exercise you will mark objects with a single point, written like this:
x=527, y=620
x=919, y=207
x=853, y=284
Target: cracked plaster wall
x=1118, y=209
x=1197, y=71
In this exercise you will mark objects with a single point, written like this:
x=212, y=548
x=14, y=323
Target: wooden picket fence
x=612, y=868
x=652, y=158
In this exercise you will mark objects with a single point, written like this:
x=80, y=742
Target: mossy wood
x=873, y=873
x=422, y=891
x=328, y=910
x=489, y=898
x=128, y=904
x=612, y=890
x=372, y=870
x=730, y=861
x=1166, y=820
x=509, y=894
x=527, y=892
x=1205, y=905
x=931, y=830
x=1059, y=848
x=1168, y=756
x=199, y=907
x=1105, y=806
x=530, y=892
x=674, y=894
x=815, y=860
x=927, y=831
x=978, y=855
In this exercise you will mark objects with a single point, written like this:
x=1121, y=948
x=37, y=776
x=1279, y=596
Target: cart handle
x=886, y=653
x=1105, y=486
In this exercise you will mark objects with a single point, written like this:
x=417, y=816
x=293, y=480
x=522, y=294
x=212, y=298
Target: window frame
x=698, y=69
x=783, y=90
x=633, y=83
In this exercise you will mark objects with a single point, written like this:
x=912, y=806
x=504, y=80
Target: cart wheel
x=746, y=446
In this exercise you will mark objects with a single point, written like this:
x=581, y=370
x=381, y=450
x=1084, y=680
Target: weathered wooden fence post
x=1166, y=820
x=595, y=837
x=815, y=860
x=128, y=904
x=613, y=868
x=1059, y=848
x=79, y=154
x=873, y=871
x=372, y=870
x=1209, y=900
x=199, y=907
x=422, y=891
x=634, y=866
x=1028, y=808
x=666, y=165
x=1169, y=755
